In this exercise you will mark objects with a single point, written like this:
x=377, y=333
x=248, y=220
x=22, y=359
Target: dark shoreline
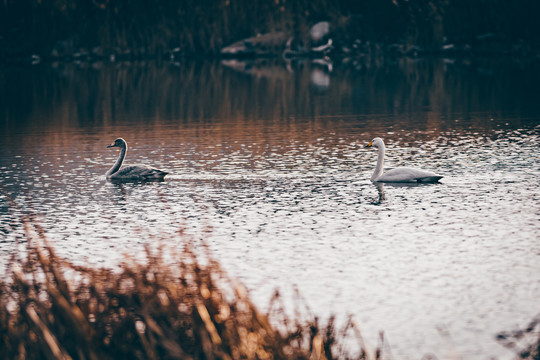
x=33, y=31
x=381, y=51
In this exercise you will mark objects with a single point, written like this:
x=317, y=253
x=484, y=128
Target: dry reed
x=178, y=304
x=51, y=308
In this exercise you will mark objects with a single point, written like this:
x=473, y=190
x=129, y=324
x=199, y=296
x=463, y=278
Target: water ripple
x=406, y=259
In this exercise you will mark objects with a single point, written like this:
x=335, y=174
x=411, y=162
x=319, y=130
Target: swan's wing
x=405, y=174
x=139, y=172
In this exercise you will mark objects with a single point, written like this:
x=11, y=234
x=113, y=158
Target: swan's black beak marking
x=369, y=145
x=109, y=146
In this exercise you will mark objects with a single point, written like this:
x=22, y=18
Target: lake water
x=267, y=165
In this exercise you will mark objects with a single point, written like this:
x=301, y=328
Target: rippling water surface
x=267, y=165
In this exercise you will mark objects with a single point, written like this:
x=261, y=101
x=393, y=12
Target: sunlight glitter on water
x=406, y=259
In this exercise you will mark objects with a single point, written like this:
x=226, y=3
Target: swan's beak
x=109, y=146
x=370, y=144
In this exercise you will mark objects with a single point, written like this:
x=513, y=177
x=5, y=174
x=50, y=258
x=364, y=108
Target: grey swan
x=400, y=174
x=131, y=172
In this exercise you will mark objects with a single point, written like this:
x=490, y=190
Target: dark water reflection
x=268, y=165
x=416, y=92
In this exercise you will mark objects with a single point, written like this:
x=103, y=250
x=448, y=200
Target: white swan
x=401, y=174
x=131, y=172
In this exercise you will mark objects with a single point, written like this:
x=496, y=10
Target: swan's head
x=117, y=143
x=377, y=142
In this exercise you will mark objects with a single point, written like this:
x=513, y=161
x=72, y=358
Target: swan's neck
x=380, y=163
x=118, y=162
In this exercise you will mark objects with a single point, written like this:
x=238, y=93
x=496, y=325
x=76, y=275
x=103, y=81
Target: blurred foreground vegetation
x=176, y=305
x=203, y=27
x=186, y=308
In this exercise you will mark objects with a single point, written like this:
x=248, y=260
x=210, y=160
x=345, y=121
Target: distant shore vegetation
x=99, y=29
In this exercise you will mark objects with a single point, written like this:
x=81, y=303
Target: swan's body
x=401, y=174
x=131, y=172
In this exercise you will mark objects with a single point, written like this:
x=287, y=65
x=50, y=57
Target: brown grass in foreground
x=53, y=309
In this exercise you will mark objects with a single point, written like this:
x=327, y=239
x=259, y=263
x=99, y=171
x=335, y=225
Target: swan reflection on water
x=117, y=173
x=380, y=191
x=380, y=188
